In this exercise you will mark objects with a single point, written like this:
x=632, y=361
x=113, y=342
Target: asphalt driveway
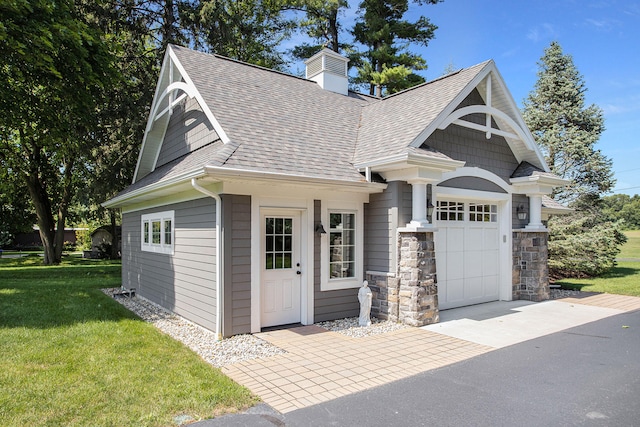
x=569, y=362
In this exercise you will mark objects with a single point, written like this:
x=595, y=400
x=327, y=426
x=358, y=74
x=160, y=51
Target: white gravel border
x=239, y=347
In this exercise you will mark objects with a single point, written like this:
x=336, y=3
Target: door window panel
x=278, y=243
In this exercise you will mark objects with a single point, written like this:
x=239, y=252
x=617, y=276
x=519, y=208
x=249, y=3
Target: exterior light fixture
x=430, y=208
x=522, y=214
x=320, y=229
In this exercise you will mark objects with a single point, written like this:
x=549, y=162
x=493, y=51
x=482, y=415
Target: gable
x=188, y=130
x=472, y=146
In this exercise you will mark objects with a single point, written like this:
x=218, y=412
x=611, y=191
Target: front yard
x=624, y=279
x=72, y=356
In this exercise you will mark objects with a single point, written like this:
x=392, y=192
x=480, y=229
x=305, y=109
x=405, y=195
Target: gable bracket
x=455, y=118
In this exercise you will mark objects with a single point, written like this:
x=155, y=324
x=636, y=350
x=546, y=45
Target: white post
x=535, y=212
x=418, y=205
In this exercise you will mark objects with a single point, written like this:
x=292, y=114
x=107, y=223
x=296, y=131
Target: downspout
x=219, y=293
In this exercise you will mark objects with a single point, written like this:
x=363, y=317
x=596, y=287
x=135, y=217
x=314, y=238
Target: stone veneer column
x=418, y=291
x=385, y=301
x=530, y=265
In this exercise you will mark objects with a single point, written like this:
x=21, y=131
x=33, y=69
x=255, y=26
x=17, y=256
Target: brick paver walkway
x=321, y=365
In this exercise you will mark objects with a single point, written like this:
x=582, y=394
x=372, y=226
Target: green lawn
x=624, y=279
x=72, y=356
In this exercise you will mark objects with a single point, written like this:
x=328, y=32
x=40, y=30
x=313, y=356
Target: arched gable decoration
x=476, y=173
x=499, y=106
x=174, y=84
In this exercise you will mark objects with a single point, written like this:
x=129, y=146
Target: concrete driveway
x=320, y=366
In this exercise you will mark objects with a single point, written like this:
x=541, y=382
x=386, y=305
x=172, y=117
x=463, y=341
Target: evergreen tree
x=584, y=242
x=386, y=35
x=566, y=130
x=321, y=24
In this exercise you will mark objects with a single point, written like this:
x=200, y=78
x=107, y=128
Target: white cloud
x=543, y=31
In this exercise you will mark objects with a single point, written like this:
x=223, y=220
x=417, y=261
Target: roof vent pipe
x=329, y=70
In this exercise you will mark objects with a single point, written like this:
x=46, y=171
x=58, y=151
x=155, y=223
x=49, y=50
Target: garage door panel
x=468, y=255
x=490, y=286
x=455, y=239
x=455, y=265
x=455, y=290
x=490, y=263
x=491, y=238
x=473, y=263
x=473, y=288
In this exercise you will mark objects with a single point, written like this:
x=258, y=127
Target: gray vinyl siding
x=382, y=215
x=472, y=183
x=517, y=200
x=330, y=305
x=236, y=220
x=188, y=130
x=184, y=282
x=473, y=147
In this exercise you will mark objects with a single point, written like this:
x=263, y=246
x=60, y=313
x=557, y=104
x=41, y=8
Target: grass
x=631, y=249
x=72, y=356
x=623, y=279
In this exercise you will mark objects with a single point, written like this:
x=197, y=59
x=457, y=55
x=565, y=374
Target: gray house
x=264, y=199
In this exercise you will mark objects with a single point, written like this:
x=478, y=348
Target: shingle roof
x=526, y=169
x=277, y=122
x=389, y=126
x=284, y=124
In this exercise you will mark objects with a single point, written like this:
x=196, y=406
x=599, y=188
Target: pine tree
x=382, y=30
x=566, y=130
x=585, y=242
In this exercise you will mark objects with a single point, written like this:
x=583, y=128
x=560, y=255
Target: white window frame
x=162, y=218
x=326, y=282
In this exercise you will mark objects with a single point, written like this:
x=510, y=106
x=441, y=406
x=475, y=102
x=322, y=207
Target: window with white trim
x=342, y=251
x=342, y=245
x=158, y=232
x=450, y=211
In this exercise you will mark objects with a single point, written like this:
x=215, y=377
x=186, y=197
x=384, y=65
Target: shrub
x=582, y=244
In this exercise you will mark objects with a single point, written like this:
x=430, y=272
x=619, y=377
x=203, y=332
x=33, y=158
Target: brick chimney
x=329, y=70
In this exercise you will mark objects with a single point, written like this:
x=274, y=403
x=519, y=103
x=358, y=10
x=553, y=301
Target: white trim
x=304, y=208
x=327, y=284
x=504, y=202
x=162, y=218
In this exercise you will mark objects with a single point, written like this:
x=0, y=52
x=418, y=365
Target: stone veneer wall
x=530, y=265
x=412, y=297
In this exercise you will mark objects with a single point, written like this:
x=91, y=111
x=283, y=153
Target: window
x=342, y=245
x=342, y=252
x=279, y=243
x=483, y=213
x=157, y=232
x=450, y=211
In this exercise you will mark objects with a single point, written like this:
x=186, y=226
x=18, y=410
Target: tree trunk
x=114, y=233
x=45, y=218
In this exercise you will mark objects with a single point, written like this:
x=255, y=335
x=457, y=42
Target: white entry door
x=280, y=269
x=467, y=253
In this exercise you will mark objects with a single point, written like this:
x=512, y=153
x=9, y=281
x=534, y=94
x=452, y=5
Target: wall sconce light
x=320, y=229
x=522, y=214
x=430, y=208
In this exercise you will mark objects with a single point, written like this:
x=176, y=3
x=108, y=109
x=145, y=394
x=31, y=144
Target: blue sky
x=603, y=37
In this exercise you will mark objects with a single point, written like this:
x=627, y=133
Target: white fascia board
x=405, y=160
x=229, y=174
x=488, y=70
x=540, y=179
x=530, y=140
x=131, y=197
x=151, y=119
x=422, y=136
x=205, y=108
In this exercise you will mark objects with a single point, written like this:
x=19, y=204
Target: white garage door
x=467, y=252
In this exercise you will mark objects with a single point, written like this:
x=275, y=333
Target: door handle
x=298, y=272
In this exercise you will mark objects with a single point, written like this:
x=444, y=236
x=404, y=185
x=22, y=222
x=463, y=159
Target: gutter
x=219, y=293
